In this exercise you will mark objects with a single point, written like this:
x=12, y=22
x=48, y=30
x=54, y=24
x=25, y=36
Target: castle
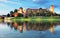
x=28, y=11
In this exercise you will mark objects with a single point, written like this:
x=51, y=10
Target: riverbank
x=36, y=19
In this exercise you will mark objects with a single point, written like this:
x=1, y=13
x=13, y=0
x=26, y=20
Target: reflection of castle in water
x=42, y=26
x=52, y=29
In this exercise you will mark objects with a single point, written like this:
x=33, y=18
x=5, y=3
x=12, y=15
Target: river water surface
x=29, y=29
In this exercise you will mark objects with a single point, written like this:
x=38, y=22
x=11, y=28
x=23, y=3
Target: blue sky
x=7, y=5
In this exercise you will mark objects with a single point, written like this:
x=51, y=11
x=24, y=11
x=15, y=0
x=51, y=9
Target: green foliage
x=11, y=12
x=15, y=10
x=8, y=15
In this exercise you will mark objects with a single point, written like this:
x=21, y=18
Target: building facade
x=32, y=11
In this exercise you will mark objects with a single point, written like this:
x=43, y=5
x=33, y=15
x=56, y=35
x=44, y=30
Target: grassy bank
x=37, y=19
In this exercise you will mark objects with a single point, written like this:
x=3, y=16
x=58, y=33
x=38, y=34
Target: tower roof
x=20, y=8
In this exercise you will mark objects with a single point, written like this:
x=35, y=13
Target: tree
x=40, y=8
x=15, y=10
x=11, y=13
x=8, y=15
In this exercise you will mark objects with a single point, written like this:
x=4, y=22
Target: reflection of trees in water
x=38, y=26
x=10, y=25
x=1, y=21
x=32, y=26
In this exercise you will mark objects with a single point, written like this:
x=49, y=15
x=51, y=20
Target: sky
x=9, y=5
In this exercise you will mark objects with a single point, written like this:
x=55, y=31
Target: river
x=29, y=29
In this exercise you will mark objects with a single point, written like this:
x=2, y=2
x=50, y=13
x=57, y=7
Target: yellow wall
x=20, y=11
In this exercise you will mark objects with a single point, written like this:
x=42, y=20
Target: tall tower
x=20, y=10
x=52, y=8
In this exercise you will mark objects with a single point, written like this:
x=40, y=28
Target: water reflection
x=35, y=26
x=17, y=29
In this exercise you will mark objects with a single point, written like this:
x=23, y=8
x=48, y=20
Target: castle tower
x=20, y=10
x=52, y=8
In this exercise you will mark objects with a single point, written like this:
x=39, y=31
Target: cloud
x=40, y=2
x=35, y=0
x=2, y=12
x=1, y=4
x=10, y=2
x=3, y=0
